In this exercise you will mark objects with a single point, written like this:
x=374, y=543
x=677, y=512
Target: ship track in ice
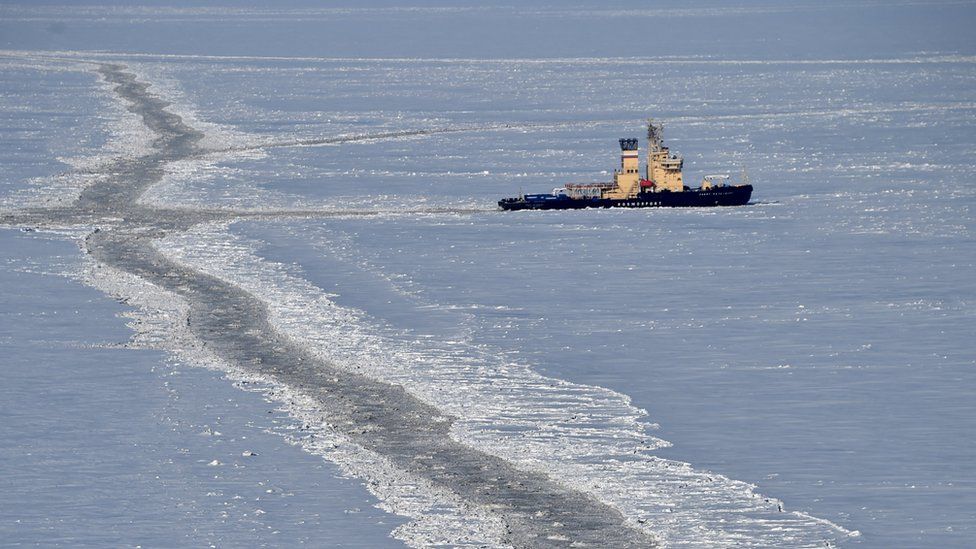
x=233, y=324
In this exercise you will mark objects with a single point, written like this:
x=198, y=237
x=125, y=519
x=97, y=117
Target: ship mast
x=663, y=168
x=655, y=135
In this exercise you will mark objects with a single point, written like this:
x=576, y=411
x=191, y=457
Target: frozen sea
x=800, y=371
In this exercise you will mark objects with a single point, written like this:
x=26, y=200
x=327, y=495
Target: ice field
x=798, y=372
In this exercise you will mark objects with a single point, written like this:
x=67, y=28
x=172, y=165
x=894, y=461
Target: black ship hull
x=693, y=198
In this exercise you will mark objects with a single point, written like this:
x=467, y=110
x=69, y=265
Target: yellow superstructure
x=627, y=179
x=663, y=171
x=663, y=168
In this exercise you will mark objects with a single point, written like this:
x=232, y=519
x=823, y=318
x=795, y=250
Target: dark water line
x=380, y=136
x=234, y=324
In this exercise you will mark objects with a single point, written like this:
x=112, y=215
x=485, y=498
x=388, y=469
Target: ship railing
x=717, y=180
x=587, y=190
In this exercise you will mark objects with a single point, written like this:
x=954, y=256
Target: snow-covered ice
x=792, y=372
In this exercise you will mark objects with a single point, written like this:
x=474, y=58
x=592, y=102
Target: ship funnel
x=628, y=155
x=628, y=144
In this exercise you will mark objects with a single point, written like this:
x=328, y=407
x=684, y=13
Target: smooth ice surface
x=811, y=351
x=112, y=446
x=531, y=29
